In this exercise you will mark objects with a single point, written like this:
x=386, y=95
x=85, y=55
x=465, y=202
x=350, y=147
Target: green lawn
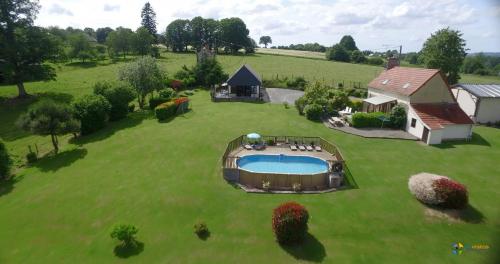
x=163, y=177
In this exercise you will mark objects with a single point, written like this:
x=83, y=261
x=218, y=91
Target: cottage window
x=413, y=122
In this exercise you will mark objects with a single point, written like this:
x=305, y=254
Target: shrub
x=367, y=119
x=297, y=187
x=156, y=101
x=93, y=112
x=398, y=116
x=300, y=104
x=131, y=108
x=176, y=84
x=182, y=104
x=286, y=105
x=297, y=82
x=124, y=233
x=356, y=105
x=5, y=161
x=266, y=185
x=290, y=223
x=421, y=186
x=451, y=194
x=119, y=96
x=201, y=229
x=31, y=157
x=167, y=93
x=375, y=61
x=313, y=112
x=165, y=110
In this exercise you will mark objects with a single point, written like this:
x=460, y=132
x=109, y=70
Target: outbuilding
x=481, y=102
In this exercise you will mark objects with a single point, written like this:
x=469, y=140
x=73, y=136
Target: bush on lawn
x=165, y=110
x=31, y=157
x=451, y=194
x=201, y=229
x=297, y=82
x=5, y=162
x=119, y=96
x=367, y=119
x=125, y=233
x=300, y=104
x=290, y=223
x=156, y=101
x=421, y=186
x=182, y=104
x=167, y=93
x=313, y=112
x=93, y=112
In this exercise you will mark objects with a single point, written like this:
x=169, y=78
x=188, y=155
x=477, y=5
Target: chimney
x=392, y=62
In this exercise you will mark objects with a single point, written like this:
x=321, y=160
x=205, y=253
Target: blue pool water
x=283, y=164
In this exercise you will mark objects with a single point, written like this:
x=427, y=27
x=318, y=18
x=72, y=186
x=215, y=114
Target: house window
x=413, y=122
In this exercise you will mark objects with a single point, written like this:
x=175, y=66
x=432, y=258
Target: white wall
x=451, y=132
x=435, y=136
x=466, y=100
x=489, y=110
x=434, y=91
x=419, y=126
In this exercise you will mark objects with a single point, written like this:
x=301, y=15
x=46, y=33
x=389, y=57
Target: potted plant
x=266, y=185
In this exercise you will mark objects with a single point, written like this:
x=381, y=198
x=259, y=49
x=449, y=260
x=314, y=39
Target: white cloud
x=299, y=21
x=111, y=8
x=59, y=10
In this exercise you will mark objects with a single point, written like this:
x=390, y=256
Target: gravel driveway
x=279, y=95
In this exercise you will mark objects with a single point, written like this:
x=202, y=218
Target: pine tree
x=148, y=16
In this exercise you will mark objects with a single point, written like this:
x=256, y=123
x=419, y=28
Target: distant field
x=294, y=53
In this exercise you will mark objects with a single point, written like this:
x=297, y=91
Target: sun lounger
x=302, y=148
x=309, y=148
x=248, y=147
x=293, y=147
x=317, y=148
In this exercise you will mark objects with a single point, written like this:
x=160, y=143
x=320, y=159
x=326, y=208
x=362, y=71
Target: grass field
x=293, y=53
x=163, y=177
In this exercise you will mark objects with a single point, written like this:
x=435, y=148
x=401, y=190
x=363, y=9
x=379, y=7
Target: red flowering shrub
x=290, y=223
x=181, y=100
x=451, y=193
x=176, y=84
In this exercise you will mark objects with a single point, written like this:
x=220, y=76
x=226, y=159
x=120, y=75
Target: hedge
x=93, y=112
x=5, y=161
x=367, y=119
x=156, y=101
x=165, y=110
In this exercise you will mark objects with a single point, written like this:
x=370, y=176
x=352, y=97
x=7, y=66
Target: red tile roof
x=403, y=80
x=438, y=115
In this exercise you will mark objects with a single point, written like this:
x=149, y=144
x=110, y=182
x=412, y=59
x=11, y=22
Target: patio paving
x=280, y=95
x=285, y=149
x=374, y=132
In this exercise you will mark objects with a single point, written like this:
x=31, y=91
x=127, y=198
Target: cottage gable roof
x=439, y=115
x=403, y=80
x=245, y=76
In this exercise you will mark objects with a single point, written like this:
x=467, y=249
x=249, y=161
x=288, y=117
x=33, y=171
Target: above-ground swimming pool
x=282, y=164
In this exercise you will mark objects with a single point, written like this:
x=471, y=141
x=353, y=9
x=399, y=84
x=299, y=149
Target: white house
x=433, y=113
x=481, y=102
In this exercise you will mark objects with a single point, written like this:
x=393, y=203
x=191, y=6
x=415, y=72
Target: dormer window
x=385, y=81
x=406, y=85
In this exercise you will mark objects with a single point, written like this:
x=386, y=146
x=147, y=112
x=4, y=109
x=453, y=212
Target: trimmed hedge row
x=171, y=108
x=361, y=119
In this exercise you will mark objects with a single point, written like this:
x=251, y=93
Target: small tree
x=5, y=162
x=445, y=50
x=118, y=95
x=398, y=116
x=144, y=75
x=125, y=233
x=338, y=53
x=265, y=40
x=48, y=117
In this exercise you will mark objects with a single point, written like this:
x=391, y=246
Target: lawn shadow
x=310, y=250
x=12, y=108
x=84, y=65
x=126, y=251
x=204, y=235
x=8, y=185
x=469, y=214
x=60, y=160
x=476, y=139
x=183, y=115
x=132, y=120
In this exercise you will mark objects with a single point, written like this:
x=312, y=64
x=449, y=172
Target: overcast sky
x=375, y=25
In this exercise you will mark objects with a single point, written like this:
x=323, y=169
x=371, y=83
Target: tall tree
x=102, y=33
x=142, y=41
x=266, y=40
x=204, y=32
x=48, y=117
x=120, y=40
x=234, y=33
x=148, y=16
x=445, y=50
x=23, y=47
x=348, y=43
x=80, y=47
x=338, y=53
x=178, y=34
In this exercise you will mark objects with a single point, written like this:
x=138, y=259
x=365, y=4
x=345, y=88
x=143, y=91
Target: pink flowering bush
x=438, y=190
